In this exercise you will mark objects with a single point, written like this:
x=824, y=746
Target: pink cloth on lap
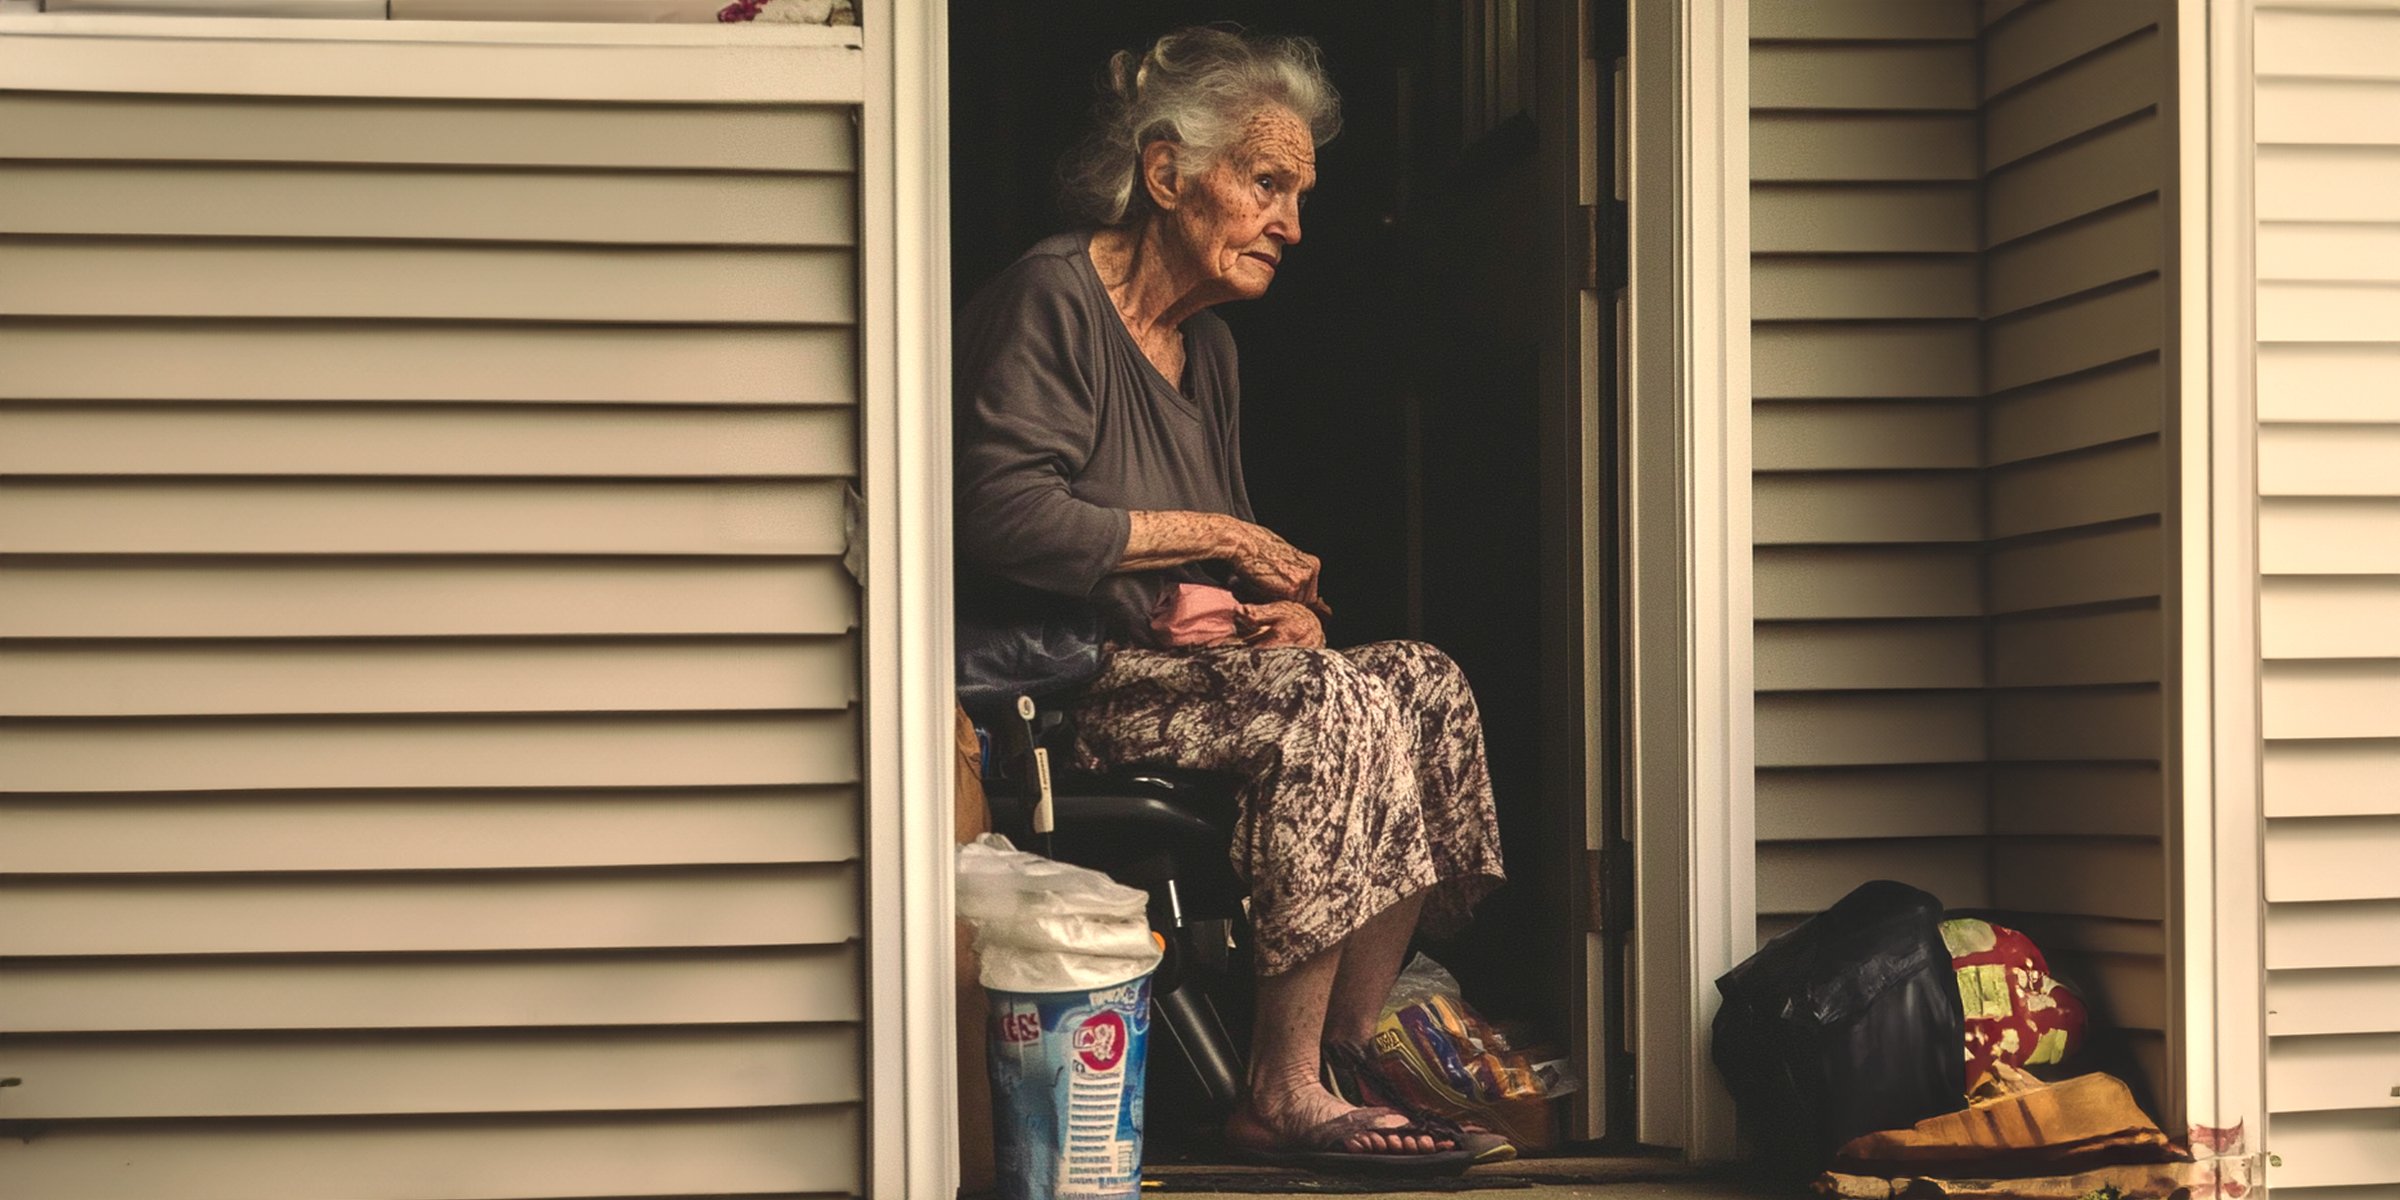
x=1193, y=614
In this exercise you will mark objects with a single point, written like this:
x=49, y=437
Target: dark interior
x=1391, y=407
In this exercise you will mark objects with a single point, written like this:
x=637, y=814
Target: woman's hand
x=1264, y=561
x=1279, y=623
x=1281, y=570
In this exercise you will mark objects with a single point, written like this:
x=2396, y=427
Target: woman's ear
x=1159, y=175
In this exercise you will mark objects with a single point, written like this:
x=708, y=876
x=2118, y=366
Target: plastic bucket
x=1067, y=1087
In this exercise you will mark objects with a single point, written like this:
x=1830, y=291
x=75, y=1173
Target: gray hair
x=1196, y=88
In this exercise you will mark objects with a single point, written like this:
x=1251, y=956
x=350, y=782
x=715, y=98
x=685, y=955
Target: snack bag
x=1435, y=1053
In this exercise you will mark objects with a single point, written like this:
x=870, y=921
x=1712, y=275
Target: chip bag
x=1434, y=1053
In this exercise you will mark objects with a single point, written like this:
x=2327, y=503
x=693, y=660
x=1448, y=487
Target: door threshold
x=1631, y=1176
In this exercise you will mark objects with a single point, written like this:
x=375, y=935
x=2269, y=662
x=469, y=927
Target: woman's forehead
x=1277, y=133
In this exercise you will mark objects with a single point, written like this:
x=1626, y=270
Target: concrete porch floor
x=1612, y=1178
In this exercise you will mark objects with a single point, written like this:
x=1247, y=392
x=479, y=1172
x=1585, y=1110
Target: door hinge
x=1608, y=889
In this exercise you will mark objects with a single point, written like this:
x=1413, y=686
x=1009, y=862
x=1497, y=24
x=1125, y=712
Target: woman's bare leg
x=1287, y=1098
x=1370, y=962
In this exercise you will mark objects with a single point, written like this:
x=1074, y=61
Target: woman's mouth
x=1267, y=259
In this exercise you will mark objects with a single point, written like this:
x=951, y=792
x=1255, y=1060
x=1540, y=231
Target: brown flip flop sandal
x=1320, y=1149
x=1348, y=1074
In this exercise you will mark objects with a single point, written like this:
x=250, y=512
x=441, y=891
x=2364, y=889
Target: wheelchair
x=1164, y=830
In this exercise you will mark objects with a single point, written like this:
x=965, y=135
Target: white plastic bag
x=1045, y=926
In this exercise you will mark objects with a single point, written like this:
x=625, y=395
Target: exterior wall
x=2328, y=205
x=429, y=750
x=1958, y=324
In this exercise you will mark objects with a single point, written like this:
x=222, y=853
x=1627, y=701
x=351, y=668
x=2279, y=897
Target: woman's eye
x=1266, y=183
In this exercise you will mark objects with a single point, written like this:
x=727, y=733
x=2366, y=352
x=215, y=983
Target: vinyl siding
x=1958, y=324
x=1872, y=719
x=2329, y=480
x=428, y=679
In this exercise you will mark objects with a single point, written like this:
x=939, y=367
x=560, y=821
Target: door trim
x=1687, y=553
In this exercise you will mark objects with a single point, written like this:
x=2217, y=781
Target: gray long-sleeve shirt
x=1064, y=429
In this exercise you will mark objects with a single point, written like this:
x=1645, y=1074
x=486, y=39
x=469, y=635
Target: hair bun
x=1125, y=75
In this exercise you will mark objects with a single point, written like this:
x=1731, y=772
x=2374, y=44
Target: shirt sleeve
x=1027, y=421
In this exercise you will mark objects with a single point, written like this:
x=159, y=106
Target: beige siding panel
x=1870, y=802
x=2329, y=617
x=2359, y=1146
x=2326, y=778
x=2050, y=35
x=2078, y=723
x=2355, y=933
x=2333, y=858
x=353, y=517
x=2084, y=567
x=2328, y=312
x=386, y=1073
x=2101, y=935
x=243, y=129
x=2107, y=404
x=514, y=283
x=2328, y=183
x=2078, y=648
x=312, y=360
x=1820, y=509
x=1863, y=219
x=1993, y=10
x=1900, y=360
x=2328, y=382
x=199, y=753
x=2085, y=94
x=2128, y=991
x=1798, y=583
x=1866, y=728
x=2118, y=243
x=446, y=831
x=2086, y=488
x=116, y=598
x=734, y=986
x=2328, y=45
x=715, y=906
x=2328, y=111
x=1937, y=76
x=1828, y=655
x=2091, y=799
x=2315, y=1074
x=1791, y=435
x=425, y=440
x=2329, y=459
x=2329, y=252
x=382, y=204
x=1808, y=877
x=1862, y=20
x=2075, y=335
x=152, y=679
x=769, y=1152
x=2319, y=1002
x=1861, y=147
x=2329, y=535
x=2331, y=698
x=1850, y=287
x=2120, y=878
x=2115, y=165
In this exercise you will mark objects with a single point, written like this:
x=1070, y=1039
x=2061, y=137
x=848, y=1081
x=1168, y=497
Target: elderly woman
x=1100, y=480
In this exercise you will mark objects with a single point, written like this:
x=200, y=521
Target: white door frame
x=1687, y=555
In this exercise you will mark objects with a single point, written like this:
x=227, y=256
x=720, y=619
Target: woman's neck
x=1153, y=289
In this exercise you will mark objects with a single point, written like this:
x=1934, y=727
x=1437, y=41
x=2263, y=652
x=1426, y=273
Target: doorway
x=1406, y=415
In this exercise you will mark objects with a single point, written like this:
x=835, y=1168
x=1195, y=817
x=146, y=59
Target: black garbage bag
x=1848, y=1024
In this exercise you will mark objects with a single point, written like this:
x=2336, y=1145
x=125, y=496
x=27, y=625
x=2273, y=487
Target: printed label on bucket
x=1067, y=1084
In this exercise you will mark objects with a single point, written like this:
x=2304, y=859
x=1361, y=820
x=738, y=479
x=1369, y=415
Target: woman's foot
x=1297, y=1119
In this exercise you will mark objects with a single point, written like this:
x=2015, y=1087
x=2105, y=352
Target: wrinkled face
x=1235, y=218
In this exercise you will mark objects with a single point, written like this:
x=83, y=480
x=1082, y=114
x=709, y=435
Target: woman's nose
x=1285, y=226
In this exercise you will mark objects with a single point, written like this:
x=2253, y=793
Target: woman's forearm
x=1171, y=539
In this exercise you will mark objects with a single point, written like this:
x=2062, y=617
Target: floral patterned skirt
x=1364, y=774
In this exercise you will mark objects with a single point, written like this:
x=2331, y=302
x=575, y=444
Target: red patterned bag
x=2016, y=1013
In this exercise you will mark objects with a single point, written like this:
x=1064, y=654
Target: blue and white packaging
x=1067, y=1084
x=1066, y=956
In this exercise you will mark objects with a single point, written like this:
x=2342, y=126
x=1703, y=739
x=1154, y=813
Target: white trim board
x=432, y=60
x=912, y=1067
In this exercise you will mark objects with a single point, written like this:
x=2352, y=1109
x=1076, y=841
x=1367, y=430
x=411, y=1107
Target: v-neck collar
x=1091, y=273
